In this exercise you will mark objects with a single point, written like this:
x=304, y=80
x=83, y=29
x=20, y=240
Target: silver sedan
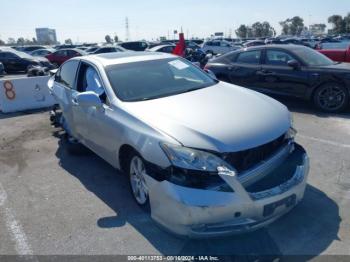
x=208, y=158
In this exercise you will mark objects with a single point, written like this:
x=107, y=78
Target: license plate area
x=287, y=202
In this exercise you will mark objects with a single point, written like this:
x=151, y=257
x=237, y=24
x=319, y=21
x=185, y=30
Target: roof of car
x=157, y=47
x=125, y=57
x=286, y=47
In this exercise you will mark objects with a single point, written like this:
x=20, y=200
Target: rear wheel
x=331, y=97
x=137, y=172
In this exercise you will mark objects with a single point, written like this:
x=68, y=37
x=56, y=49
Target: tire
x=138, y=187
x=331, y=97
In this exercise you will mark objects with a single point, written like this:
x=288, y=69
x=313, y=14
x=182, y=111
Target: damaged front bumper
x=204, y=213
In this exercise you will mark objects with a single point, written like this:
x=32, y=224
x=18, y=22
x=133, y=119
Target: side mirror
x=88, y=99
x=211, y=74
x=294, y=64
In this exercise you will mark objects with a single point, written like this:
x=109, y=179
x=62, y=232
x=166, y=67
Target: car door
x=276, y=76
x=64, y=89
x=95, y=126
x=243, y=69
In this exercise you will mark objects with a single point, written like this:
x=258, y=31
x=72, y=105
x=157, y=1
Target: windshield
x=157, y=78
x=312, y=57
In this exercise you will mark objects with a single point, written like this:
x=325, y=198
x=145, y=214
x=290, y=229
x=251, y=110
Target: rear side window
x=67, y=73
x=250, y=57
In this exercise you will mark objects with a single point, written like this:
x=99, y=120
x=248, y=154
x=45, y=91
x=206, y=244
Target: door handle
x=265, y=73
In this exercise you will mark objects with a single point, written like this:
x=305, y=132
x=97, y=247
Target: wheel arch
x=124, y=153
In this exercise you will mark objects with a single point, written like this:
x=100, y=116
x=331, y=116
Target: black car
x=2, y=69
x=108, y=49
x=291, y=70
x=15, y=61
x=135, y=46
x=29, y=49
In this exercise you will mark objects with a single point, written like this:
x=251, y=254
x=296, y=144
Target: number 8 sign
x=9, y=91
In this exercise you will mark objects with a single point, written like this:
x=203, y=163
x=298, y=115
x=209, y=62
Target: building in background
x=46, y=36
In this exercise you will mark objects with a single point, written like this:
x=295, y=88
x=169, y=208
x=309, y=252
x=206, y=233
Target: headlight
x=192, y=159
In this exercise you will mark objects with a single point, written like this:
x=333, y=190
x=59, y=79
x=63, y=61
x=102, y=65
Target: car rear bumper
x=201, y=213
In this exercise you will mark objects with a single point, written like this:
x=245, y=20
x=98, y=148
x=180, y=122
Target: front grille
x=247, y=159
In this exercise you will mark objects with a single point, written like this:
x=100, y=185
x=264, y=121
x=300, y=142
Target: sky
x=91, y=20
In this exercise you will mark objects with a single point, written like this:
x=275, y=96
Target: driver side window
x=89, y=80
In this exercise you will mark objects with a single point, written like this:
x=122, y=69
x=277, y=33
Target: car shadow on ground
x=309, y=229
x=306, y=107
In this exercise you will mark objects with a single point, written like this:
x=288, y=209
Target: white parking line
x=324, y=141
x=14, y=228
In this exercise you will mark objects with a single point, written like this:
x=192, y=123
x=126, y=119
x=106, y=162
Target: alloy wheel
x=137, y=180
x=331, y=97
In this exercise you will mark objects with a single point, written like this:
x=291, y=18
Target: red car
x=59, y=57
x=338, y=55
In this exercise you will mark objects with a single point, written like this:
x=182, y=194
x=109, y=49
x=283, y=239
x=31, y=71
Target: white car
x=218, y=47
x=209, y=158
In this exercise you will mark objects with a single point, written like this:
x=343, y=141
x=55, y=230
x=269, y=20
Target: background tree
x=347, y=23
x=292, y=26
x=318, y=29
x=68, y=41
x=2, y=42
x=34, y=40
x=11, y=41
x=20, y=41
x=337, y=23
x=268, y=30
x=116, y=39
x=242, y=31
x=108, y=39
x=257, y=29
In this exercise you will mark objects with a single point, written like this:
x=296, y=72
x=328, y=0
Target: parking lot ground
x=55, y=203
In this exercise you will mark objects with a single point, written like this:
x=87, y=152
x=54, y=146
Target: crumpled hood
x=222, y=118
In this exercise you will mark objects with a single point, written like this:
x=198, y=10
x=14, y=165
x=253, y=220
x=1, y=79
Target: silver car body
x=219, y=47
x=221, y=118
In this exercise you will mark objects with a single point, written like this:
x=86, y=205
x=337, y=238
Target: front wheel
x=331, y=97
x=137, y=172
